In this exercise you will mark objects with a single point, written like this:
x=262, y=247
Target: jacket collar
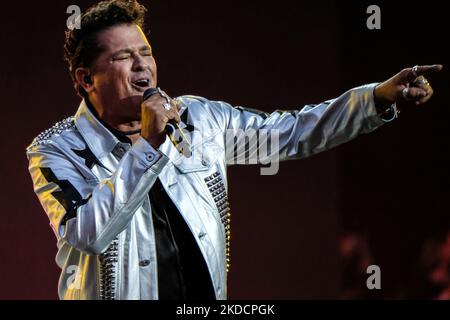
x=97, y=137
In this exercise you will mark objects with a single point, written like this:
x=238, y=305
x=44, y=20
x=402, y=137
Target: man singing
x=135, y=215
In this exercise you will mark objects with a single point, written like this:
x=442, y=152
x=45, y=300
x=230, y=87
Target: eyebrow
x=129, y=50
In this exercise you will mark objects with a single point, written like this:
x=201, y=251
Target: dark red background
x=391, y=185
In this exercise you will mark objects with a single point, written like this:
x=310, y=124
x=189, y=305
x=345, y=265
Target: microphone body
x=172, y=129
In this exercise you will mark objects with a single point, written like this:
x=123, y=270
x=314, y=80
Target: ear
x=84, y=79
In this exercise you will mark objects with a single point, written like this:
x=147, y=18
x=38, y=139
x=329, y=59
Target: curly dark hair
x=81, y=47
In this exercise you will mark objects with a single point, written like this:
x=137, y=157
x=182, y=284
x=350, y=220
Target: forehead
x=122, y=36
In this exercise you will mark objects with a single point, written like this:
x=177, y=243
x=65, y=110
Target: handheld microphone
x=172, y=129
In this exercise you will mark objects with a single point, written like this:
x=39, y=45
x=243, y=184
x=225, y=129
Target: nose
x=139, y=63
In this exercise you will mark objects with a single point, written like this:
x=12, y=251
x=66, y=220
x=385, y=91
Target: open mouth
x=142, y=83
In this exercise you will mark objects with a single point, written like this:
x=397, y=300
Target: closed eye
x=122, y=57
x=146, y=53
x=125, y=54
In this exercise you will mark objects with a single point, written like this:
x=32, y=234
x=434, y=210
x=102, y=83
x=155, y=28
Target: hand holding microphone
x=160, y=118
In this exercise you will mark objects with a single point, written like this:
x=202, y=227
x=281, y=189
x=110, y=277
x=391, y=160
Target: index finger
x=423, y=70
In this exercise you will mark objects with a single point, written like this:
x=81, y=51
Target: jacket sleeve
x=300, y=133
x=90, y=214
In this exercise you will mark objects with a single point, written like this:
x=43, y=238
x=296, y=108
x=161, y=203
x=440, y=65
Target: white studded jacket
x=94, y=188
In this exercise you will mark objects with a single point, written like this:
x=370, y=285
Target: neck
x=127, y=128
x=131, y=129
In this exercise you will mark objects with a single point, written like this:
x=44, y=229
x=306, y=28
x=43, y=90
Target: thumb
x=178, y=104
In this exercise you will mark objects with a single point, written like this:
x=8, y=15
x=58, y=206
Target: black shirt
x=182, y=271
